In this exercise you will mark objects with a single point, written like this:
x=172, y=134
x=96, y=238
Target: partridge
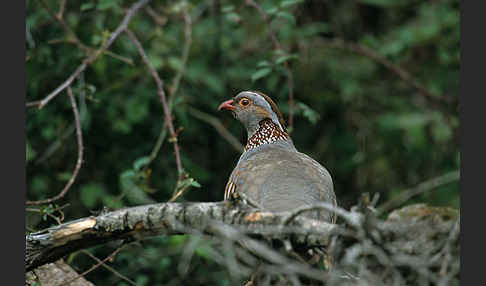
x=271, y=172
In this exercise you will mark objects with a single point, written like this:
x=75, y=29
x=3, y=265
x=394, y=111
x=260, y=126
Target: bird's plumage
x=271, y=172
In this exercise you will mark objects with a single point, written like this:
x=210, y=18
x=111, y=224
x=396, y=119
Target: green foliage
x=373, y=130
x=308, y=112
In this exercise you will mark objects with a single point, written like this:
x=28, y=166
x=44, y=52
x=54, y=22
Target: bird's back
x=279, y=178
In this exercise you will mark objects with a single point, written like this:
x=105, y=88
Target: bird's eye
x=244, y=102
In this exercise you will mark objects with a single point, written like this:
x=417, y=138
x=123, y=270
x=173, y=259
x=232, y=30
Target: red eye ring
x=244, y=102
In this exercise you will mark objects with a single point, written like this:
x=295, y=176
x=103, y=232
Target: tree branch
x=163, y=100
x=123, y=25
x=396, y=69
x=79, y=162
x=421, y=188
x=213, y=121
x=167, y=218
x=416, y=243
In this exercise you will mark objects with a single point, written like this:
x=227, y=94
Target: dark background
x=358, y=115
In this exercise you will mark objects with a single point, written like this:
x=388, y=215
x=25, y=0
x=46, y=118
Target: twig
x=79, y=136
x=163, y=99
x=453, y=235
x=399, y=71
x=56, y=145
x=159, y=20
x=109, y=267
x=53, y=210
x=178, y=193
x=58, y=209
x=33, y=103
x=123, y=25
x=421, y=188
x=58, y=220
x=175, y=84
x=62, y=5
x=58, y=17
x=213, y=121
x=352, y=218
x=109, y=257
x=277, y=46
x=158, y=144
x=185, y=56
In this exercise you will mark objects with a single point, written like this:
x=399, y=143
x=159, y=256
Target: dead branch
x=415, y=245
x=166, y=218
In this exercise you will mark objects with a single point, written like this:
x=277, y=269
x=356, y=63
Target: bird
x=271, y=172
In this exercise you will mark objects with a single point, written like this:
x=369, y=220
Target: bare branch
x=426, y=186
x=111, y=269
x=79, y=136
x=176, y=81
x=123, y=25
x=399, y=71
x=185, y=56
x=163, y=100
x=213, y=121
x=109, y=257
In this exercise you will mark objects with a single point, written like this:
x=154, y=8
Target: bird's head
x=251, y=107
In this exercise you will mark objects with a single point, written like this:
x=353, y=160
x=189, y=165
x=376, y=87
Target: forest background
x=369, y=88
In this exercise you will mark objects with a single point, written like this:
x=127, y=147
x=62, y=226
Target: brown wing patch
x=274, y=108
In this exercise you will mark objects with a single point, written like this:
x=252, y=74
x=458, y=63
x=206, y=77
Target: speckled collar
x=268, y=132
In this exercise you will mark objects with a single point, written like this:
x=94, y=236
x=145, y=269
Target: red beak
x=227, y=105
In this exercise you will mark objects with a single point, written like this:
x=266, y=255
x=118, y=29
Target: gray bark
x=416, y=245
x=166, y=218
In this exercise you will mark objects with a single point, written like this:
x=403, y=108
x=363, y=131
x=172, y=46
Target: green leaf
x=308, y=112
x=227, y=8
x=29, y=152
x=271, y=11
x=64, y=176
x=107, y=4
x=383, y=3
x=284, y=58
x=261, y=73
x=288, y=3
x=87, y=6
x=403, y=121
x=194, y=183
x=175, y=63
x=233, y=17
x=141, y=162
x=287, y=16
x=91, y=194
x=264, y=63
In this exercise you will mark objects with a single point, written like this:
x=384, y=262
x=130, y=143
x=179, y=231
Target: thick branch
x=167, y=218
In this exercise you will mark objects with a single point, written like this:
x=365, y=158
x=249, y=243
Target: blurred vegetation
x=373, y=129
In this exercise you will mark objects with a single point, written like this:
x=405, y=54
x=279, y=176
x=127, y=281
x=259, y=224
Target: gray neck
x=251, y=128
